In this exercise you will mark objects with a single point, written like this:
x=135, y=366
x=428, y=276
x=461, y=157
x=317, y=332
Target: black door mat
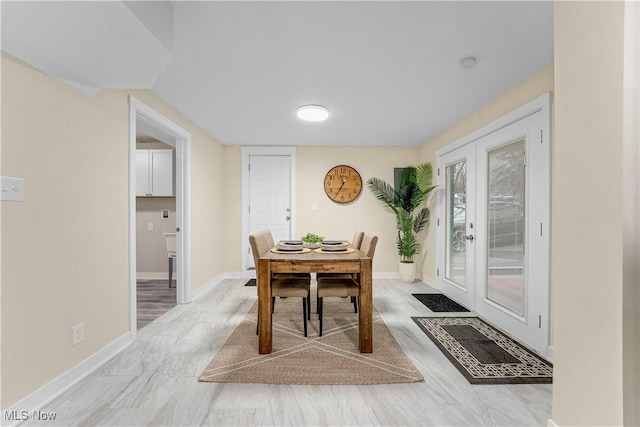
x=484, y=355
x=250, y=282
x=440, y=303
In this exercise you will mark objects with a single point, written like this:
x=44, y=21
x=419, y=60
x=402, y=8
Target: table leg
x=263, y=281
x=366, y=306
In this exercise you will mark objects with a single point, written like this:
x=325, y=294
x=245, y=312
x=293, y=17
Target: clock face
x=342, y=184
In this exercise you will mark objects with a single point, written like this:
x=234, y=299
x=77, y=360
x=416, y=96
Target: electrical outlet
x=77, y=334
x=11, y=189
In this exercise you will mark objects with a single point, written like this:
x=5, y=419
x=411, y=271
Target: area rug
x=250, y=282
x=483, y=354
x=333, y=358
x=439, y=303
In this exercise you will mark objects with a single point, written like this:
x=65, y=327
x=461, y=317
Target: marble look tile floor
x=154, y=380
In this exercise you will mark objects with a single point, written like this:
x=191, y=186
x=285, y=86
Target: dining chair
x=356, y=243
x=170, y=239
x=344, y=286
x=292, y=286
x=357, y=239
x=284, y=275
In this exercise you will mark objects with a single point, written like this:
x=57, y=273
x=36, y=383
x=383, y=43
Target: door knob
x=469, y=237
x=288, y=217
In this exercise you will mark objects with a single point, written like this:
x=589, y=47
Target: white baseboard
x=142, y=275
x=386, y=275
x=550, y=423
x=198, y=293
x=550, y=353
x=45, y=394
x=240, y=275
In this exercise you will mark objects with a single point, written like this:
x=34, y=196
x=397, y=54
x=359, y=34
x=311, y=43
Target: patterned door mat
x=439, y=303
x=484, y=355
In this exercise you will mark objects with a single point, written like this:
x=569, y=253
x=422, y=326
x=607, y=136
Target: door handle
x=469, y=237
x=288, y=217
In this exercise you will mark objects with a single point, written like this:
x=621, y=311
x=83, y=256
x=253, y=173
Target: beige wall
x=232, y=201
x=64, y=258
x=331, y=220
x=367, y=214
x=532, y=87
x=65, y=249
x=588, y=227
x=151, y=248
x=631, y=212
x=208, y=205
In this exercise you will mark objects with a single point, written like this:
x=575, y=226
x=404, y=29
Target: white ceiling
x=389, y=72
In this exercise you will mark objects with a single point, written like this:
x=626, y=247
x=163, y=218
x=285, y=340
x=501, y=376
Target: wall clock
x=342, y=184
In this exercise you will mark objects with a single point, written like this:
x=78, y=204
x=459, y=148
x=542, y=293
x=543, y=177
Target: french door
x=457, y=200
x=493, y=224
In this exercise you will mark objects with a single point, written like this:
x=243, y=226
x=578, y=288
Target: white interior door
x=493, y=227
x=270, y=196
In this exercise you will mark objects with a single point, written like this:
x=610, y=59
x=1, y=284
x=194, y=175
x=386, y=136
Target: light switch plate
x=11, y=189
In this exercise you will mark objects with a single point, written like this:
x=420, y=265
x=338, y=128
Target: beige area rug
x=333, y=358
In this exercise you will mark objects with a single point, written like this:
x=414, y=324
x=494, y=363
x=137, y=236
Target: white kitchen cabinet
x=155, y=170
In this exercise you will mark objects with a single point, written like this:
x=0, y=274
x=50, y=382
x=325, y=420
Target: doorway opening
x=159, y=196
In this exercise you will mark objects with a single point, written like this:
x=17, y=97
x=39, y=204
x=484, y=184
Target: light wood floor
x=154, y=298
x=154, y=381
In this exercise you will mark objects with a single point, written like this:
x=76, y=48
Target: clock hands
x=344, y=181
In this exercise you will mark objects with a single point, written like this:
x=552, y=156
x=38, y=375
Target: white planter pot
x=407, y=271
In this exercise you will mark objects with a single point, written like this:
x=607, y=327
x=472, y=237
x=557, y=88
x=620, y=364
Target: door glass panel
x=506, y=227
x=456, y=228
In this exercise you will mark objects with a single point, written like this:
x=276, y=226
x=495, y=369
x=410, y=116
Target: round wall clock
x=342, y=184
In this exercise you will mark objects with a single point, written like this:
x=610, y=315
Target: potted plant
x=412, y=190
x=312, y=240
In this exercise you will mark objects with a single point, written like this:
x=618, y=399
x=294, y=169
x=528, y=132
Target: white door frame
x=247, y=152
x=182, y=144
x=540, y=214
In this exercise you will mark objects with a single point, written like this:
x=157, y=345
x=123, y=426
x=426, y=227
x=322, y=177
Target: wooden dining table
x=313, y=262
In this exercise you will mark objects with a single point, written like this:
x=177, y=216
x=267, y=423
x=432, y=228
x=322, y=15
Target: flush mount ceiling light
x=469, y=62
x=312, y=113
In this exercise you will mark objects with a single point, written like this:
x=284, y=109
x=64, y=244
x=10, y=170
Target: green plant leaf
x=421, y=220
x=414, y=187
x=382, y=191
